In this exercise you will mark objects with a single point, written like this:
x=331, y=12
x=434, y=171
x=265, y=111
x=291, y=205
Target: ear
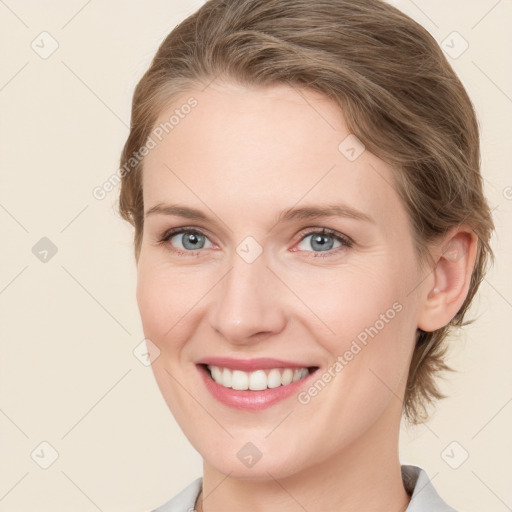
x=448, y=286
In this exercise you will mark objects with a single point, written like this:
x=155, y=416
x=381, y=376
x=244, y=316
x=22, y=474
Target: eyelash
x=343, y=239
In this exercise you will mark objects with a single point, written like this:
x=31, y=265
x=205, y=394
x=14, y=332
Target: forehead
x=240, y=149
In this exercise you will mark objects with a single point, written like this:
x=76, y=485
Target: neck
x=364, y=476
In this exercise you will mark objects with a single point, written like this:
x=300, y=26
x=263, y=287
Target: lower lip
x=248, y=399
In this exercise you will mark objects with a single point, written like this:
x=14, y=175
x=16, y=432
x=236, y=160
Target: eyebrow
x=288, y=215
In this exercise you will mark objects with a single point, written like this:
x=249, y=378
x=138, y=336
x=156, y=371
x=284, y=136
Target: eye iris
x=321, y=240
x=193, y=239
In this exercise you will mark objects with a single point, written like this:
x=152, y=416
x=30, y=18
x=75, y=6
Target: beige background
x=68, y=374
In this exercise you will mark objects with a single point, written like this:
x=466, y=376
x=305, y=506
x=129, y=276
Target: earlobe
x=446, y=292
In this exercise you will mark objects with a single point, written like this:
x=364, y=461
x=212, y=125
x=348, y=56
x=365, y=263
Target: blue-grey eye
x=319, y=242
x=189, y=240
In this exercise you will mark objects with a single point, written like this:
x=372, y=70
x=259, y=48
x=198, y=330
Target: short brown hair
x=398, y=94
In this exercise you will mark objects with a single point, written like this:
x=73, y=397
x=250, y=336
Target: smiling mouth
x=257, y=380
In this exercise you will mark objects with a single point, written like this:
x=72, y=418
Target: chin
x=261, y=471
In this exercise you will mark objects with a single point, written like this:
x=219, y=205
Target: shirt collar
x=424, y=497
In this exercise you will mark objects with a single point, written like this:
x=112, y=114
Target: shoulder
x=185, y=500
x=424, y=497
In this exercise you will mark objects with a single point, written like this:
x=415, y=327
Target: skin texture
x=242, y=156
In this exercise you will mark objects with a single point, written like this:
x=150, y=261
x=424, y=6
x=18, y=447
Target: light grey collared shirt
x=424, y=497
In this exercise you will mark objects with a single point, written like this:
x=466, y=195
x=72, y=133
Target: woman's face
x=251, y=285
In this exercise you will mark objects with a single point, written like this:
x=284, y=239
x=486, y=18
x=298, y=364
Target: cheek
x=348, y=300
x=379, y=370
x=371, y=354
x=165, y=299
x=369, y=319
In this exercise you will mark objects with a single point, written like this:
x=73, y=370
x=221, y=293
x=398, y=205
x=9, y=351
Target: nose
x=248, y=303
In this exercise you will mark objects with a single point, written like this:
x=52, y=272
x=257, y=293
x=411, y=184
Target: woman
x=304, y=183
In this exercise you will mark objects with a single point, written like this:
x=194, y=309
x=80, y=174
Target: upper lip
x=260, y=363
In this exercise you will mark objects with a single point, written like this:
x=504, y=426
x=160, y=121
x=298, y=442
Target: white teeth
x=258, y=379
x=274, y=378
x=216, y=373
x=240, y=380
x=287, y=376
x=226, y=378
